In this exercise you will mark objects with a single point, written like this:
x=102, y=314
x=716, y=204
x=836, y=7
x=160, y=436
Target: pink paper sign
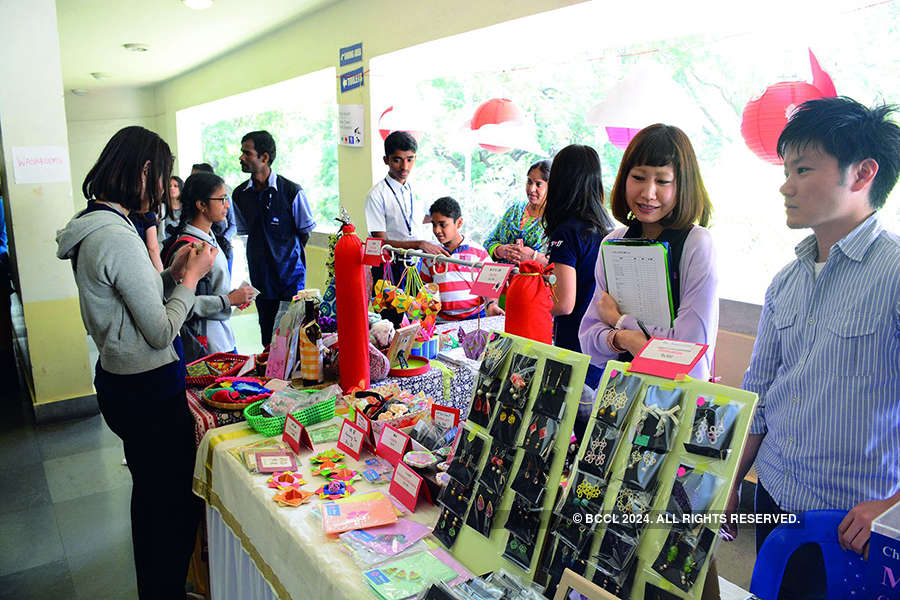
x=392, y=445
x=491, y=280
x=407, y=486
x=351, y=439
x=295, y=435
x=667, y=358
x=372, y=252
x=444, y=416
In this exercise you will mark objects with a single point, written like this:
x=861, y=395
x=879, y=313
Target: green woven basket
x=269, y=426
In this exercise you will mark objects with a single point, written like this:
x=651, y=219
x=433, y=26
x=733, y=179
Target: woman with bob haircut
x=575, y=223
x=134, y=313
x=660, y=195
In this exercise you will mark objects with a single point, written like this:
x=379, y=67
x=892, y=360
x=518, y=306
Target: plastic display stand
x=478, y=553
x=654, y=535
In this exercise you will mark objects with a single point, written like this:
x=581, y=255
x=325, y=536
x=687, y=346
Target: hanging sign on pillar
x=350, y=124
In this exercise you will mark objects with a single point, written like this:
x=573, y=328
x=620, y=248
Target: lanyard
x=406, y=220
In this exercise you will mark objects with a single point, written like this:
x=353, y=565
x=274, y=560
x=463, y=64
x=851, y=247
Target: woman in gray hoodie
x=134, y=313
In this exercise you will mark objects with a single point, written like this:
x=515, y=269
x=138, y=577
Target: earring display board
x=657, y=462
x=507, y=466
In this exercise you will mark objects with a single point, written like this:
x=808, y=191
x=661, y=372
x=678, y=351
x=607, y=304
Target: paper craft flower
x=473, y=342
x=342, y=475
x=285, y=479
x=330, y=455
x=335, y=489
x=292, y=497
x=326, y=468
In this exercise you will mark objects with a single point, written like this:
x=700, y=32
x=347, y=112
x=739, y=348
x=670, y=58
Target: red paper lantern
x=386, y=132
x=494, y=112
x=353, y=317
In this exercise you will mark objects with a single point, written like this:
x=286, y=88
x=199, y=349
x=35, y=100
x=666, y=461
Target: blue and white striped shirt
x=826, y=367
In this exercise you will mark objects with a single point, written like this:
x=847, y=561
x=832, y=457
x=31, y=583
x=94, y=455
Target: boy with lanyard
x=455, y=281
x=393, y=213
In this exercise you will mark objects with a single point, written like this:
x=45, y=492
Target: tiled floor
x=65, y=530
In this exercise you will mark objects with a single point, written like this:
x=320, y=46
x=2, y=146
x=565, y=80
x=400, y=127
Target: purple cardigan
x=698, y=315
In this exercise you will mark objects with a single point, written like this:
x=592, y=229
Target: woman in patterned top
x=523, y=222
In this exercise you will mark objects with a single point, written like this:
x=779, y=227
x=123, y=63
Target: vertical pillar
x=32, y=113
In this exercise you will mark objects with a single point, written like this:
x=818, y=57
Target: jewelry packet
x=484, y=398
x=447, y=528
x=519, y=552
x=616, y=399
x=683, y=555
x=564, y=557
x=617, y=549
x=507, y=424
x=551, y=397
x=643, y=468
x=531, y=478
x=712, y=429
x=632, y=509
x=693, y=492
x=455, y=497
x=600, y=449
x=495, y=354
x=584, y=495
x=518, y=381
x=524, y=520
x=540, y=435
x=616, y=582
x=464, y=466
x=578, y=535
x=483, y=511
x=496, y=470
x=658, y=423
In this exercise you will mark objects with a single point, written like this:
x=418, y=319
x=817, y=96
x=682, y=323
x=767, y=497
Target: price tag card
x=269, y=462
x=295, y=435
x=491, y=280
x=363, y=423
x=667, y=358
x=392, y=445
x=407, y=486
x=444, y=416
x=351, y=439
x=372, y=252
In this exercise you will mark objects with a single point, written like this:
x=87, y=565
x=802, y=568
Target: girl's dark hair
x=657, y=146
x=199, y=186
x=543, y=166
x=575, y=189
x=116, y=176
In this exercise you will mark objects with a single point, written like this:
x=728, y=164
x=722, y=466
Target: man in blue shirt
x=826, y=432
x=274, y=213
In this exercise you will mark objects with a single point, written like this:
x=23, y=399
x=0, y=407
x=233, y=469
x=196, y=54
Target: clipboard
x=639, y=280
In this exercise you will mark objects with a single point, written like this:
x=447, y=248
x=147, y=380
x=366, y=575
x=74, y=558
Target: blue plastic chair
x=844, y=570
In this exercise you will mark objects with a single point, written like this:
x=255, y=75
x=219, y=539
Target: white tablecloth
x=287, y=546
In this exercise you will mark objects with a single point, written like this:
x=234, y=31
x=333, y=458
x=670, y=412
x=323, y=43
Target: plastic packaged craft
x=512, y=587
x=616, y=549
x=564, y=557
x=693, y=491
x=518, y=381
x=507, y=424
x=464, y=466
x=540, y=435
x=551, y=396
x=615, y=581
x=643, y=468
x=584, y=495
x=600, y=449
x=496, y=470
x=484, y=400
x=578, y=535
x=713, y=428
x=447, y=528
x=519, y=552
x=407, y=576
x=455, y=496
x=658, y=422
x=290, y=400
x=616, y=399
x=683, y=555
x=387, y=540
x=524, y=520
x=531, y=478
x=632, y=508
x=483, y=510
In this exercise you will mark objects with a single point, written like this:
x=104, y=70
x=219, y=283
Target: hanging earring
x=479, y=504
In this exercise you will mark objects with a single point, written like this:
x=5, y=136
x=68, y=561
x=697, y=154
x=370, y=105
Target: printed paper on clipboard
x=637, y=277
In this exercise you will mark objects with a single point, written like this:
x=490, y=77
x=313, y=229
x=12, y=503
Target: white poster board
x=40, y=164
x=350, y=122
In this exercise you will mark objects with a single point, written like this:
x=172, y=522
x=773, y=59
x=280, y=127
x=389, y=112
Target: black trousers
x=158, y=433
x=266, y=311
x=804, y=574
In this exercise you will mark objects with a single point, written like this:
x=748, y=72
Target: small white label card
x=392, y=445
x=351, y=439
x=491, y=280
x=444, y=416
x=269, y=462
x=295, y=434
x=406, y=486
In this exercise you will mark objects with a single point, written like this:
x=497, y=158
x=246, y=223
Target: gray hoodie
x=122, y=296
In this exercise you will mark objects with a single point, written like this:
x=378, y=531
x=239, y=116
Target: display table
x=253, y=541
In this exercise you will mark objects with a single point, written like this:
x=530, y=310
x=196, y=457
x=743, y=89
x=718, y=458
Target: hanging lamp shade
x=765, y=117
x=392, y=120
x=496, y=111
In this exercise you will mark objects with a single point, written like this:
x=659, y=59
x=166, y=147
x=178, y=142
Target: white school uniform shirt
x=395, y=210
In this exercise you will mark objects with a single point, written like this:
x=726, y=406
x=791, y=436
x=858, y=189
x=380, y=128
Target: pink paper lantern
x=765, y=118
x=494, y=112
x=620, y=136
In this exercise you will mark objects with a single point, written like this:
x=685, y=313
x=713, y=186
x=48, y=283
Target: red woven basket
x=205, y=380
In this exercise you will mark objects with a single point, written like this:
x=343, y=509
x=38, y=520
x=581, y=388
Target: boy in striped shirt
x=455, y=281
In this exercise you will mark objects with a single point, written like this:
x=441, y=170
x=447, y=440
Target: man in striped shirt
x=455, y=281
x=826, y=362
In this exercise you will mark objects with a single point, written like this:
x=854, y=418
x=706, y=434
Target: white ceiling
x=91, y=34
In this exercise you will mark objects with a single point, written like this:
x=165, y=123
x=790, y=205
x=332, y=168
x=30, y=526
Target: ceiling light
x=100, y=76
x=133, y=47
x=78, y=91
x=197, y=4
